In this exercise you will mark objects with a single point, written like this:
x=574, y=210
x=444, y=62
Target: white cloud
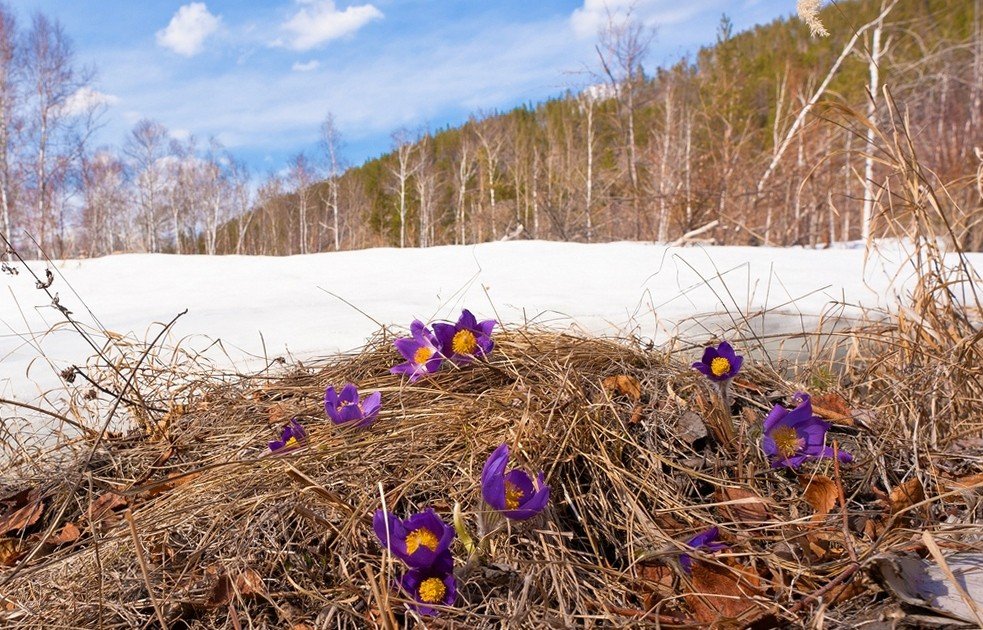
x=84, y=99
x=188, y=29
x=591, y=17
x=320, y=21
x=307, y=66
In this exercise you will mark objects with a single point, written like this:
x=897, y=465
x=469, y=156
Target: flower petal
x=349, y=394
x=467, y=320
x=774, y=417
x=493, y=478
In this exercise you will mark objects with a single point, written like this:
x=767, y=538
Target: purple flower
x=704, y=540
x=421, y=351
x=293, y=436
x=720, y=363
x=791, y=437
x=345, y=408
x=468, y=338
x=418, y=541
x=431, y=586
x=512, y=493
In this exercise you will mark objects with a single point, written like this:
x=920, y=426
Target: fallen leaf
x=820, y=492
x=721, y=592
x=742, y=505
x=68, y=534
x=969, y=482
x=690, y=427
x=280, y=414
x=248, y=583
x=832, y=401
x=22, y=518
x=104, y=505
x=623, y=384
x=10, y=551
x=657, y=582
x=221, y=592
x=905, y=495
x=173, y=481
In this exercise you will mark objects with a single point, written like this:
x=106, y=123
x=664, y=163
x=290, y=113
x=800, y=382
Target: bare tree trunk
x=873, y=89
x=663, y=230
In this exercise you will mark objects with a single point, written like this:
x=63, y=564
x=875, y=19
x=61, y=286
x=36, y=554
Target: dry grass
x=628, y=483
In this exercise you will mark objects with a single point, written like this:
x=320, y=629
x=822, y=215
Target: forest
x=767, y=137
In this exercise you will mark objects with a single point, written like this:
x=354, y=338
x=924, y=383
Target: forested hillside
x=714, y=142
x=758, y=139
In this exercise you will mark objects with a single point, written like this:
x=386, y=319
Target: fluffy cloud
x=320, y=21
x=188, y=29
x=307, y=66
x=591, y=17
x=85, y=99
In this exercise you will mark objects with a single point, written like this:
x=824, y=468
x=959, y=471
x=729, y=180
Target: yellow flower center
x=464, y=342
x=719, y=366
x=422, y=355
x=422, y=536
x=513, y=495
x=787, y=441
x=432, y=590
x=292, y=443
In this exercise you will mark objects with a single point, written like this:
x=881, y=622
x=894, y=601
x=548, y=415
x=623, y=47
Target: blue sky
x=261, y=75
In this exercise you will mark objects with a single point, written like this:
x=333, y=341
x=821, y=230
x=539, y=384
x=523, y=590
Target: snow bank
x=284, y=304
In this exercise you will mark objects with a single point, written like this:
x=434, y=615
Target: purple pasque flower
x=706, y=541
x=293, y=436
x=421, y=351
x=720, y=363
x=791, y=437
x=465, y=340
x=418, y=541
x=512, y=493
x=431, y=586
x=345, y=408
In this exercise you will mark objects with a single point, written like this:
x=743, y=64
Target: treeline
x=738, y=145
x=758, y=139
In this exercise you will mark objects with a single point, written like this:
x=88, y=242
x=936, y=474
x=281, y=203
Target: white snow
x=644, y=289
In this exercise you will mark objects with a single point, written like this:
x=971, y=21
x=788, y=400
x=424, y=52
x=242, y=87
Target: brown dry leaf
x=280, y=414
x=820, y=492
x=832, y=401
x=22, y=518
x=104, y=506
x=302, y=626
x=657, y=583
x=825, y=545
x=248, y=583
x=721, y=592
x=10, y=551
x=967, y=482
x=745, y=505
x=623, y=384
x=220, y=593
x=68, y=534
x=905, y=495
x=173, y=481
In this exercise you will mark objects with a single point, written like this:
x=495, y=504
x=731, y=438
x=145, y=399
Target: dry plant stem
x=57, y=416
x=847, y=537
x=379, y=592
x=138, y=547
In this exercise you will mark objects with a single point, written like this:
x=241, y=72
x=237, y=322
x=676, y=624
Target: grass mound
x=191, y=523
